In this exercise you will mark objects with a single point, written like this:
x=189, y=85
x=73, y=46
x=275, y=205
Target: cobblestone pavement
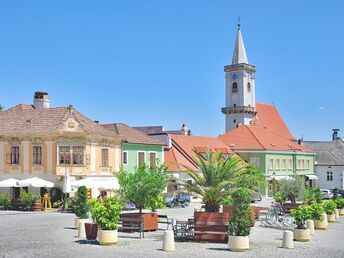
x=52, y=235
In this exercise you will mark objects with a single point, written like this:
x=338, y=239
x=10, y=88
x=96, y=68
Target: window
x=234, y=87
x=255, y=161
x=141, y=159
x=105, y=157
x=329, y=176
x=284, y=164
x=78, y=155
x=307, y=164
x=278, y=164
x=271, y=164
x=152, y=159
x=125, y=157
x=302, y=164
x=234, y=121
x=298, y=164
x=64, y=154
x=290, y=164
x=248, y=87
x=37, y=155
x=15, y=155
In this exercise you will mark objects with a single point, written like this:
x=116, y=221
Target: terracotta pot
x=341, y=212
x=37, y=206
x=302, y=235
x=254, y=209
x=108, y=237
x=78, y=220
x=238, y=243
x=211, y=217
x=150, y=220
x=91, y=231
x=331, y=218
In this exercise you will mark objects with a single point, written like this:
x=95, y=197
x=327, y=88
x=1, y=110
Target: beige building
x=40, y=141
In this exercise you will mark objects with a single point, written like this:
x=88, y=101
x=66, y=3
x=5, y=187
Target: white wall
x=321, y=172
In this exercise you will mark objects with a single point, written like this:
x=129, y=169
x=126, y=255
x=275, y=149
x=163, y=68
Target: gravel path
x=51, y=235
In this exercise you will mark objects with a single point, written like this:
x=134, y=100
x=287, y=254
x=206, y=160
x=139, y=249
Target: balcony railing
x=240, y=109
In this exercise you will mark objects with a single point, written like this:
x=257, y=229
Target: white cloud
x=321, y=108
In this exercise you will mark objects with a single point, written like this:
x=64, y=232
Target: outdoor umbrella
x=11, y=182
x=105, y=183
x=35, y=182
x=67, y=188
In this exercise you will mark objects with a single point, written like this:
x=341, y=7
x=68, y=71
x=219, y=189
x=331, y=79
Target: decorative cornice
x=37, y=141
x=14, y=141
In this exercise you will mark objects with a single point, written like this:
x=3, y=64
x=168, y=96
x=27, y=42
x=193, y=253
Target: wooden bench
x=132, y=224
x=165, y=220
x=288, y=206
x=183, y=229
x=211, y=231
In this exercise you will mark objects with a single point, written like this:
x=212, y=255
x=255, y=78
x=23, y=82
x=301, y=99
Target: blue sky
x=161, y=62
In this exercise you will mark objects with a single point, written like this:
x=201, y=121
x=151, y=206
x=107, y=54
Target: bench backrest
x=162, y=216
x=208, y=223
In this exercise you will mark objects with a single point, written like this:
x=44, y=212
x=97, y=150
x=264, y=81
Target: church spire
x=239, y=55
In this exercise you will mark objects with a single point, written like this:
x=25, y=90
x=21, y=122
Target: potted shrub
x=292, y=190
x=340, y=205
x=91, y=228
x=218, y=176
x=5, y=201
x=37, y=203
x=240, y=224
x=106, y=213
x=144, y=188
x=81, y=206
x=279, y=198
x=301, y=214
x=26, y=200
x=319, y=216
x=330, y=207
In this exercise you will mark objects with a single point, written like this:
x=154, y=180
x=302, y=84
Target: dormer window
x=234, y=87
x=248, y=87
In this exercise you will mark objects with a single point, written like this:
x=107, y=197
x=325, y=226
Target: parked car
x=178, y=200
x=255, y=197
x=326, y=193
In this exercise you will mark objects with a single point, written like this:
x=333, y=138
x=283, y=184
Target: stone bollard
x=288, y=237
x=82, y=231
x=336, y=212
x=168, y=244
x=310, y=226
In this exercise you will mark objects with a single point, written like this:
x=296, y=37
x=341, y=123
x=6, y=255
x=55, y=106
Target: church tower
x=240, y=106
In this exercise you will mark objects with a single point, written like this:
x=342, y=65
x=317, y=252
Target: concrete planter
x=331, y=218
x=238, y=243
x=318, y=224
x=336, y=213
x=108, y=237
x=302, y=235
x=78, y=220
x=341, y=212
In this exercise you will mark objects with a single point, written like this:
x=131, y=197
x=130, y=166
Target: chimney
x=41, y=100
x=335, y=134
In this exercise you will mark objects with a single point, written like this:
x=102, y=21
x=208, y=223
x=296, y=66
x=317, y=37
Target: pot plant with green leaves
x=318, y=215
x=26, y=200
x=330, y=208
x=81, y=207
x=241, y=222
x=279, y=198
x=106, y=213
x=301, y=214
x=340, y=205
x=5, y=201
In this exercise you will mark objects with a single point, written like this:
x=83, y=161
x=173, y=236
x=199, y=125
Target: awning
x=314, y=177
x=35, y=182
x=278, y=178
x=11, y=182
x=102, y=183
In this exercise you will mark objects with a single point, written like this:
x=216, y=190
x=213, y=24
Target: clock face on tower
x=234, y=76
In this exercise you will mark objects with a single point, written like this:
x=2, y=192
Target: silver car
x=326, y=193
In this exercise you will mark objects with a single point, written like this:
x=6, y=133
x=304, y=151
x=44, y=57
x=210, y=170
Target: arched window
x=234, y=87
x=248, y=87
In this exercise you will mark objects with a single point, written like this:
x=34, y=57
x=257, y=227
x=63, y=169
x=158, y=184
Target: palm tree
x=218, y=176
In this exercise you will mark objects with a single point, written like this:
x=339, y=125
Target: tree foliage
x=317, y=210
x=330, y=206
x=293, y=189
x=81, y=205
x=301, y=214
x=218, y=176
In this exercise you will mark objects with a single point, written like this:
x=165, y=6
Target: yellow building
x=40, y=141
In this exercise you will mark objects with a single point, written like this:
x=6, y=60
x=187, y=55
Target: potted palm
x=218, y=176
x=81, y=206
x=240, y=224
x=319, y=216
x=301, y=214
x=106, y=213
x=330, y=207
x=144, y=188
x=340, y=205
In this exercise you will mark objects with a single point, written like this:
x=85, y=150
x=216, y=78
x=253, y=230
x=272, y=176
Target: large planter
x=222, y=217
x=108, y=237
x=238, y=243
x=254, y=212
x=302, y=235
x=341, y=212
x=91, y=231
x=78, y=220
x=150, y=220
x=336, y=213
x=331, y=218
x=318, y=224
x=37, y=206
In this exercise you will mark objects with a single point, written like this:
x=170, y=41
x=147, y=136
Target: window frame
x=278, y=164
x=37, y=156
x=284, y=164
x=15, y=155
x=249, y=88
x=125, y=152
x=68, y=155
x=104, y=162
x=235, y=89
x=271, y=164
x=156, y=159
x=138, y=159
x=78, y=154
x=329, y=176
x=290, y=164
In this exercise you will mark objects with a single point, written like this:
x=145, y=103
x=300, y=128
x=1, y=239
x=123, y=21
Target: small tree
x=292, y=189
x=330, y=206
x=340, y=203
x=301, y=214
x=241, y=222
x=317, y=211
x=143, y=187
x=26, y=199
x=278, y=197
x=5, y=201
x=309, y=195
x=317, y=196
x=81, y=205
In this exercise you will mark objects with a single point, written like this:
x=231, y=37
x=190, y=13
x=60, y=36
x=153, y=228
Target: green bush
x=26, y=199
x=158, y=203
x=5, y=201
x=106, y=212
x=81, y=205
x=317, y=195
x=293, y=189
x=309, y=195
x=241, y=222
x=330, y=207
x=340, y=203
x=335, y=192
x=143, y=187
x=278, y=197
x=317, y=210
x=301, y=214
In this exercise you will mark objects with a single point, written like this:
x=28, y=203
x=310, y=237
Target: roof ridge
x=184, y=153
